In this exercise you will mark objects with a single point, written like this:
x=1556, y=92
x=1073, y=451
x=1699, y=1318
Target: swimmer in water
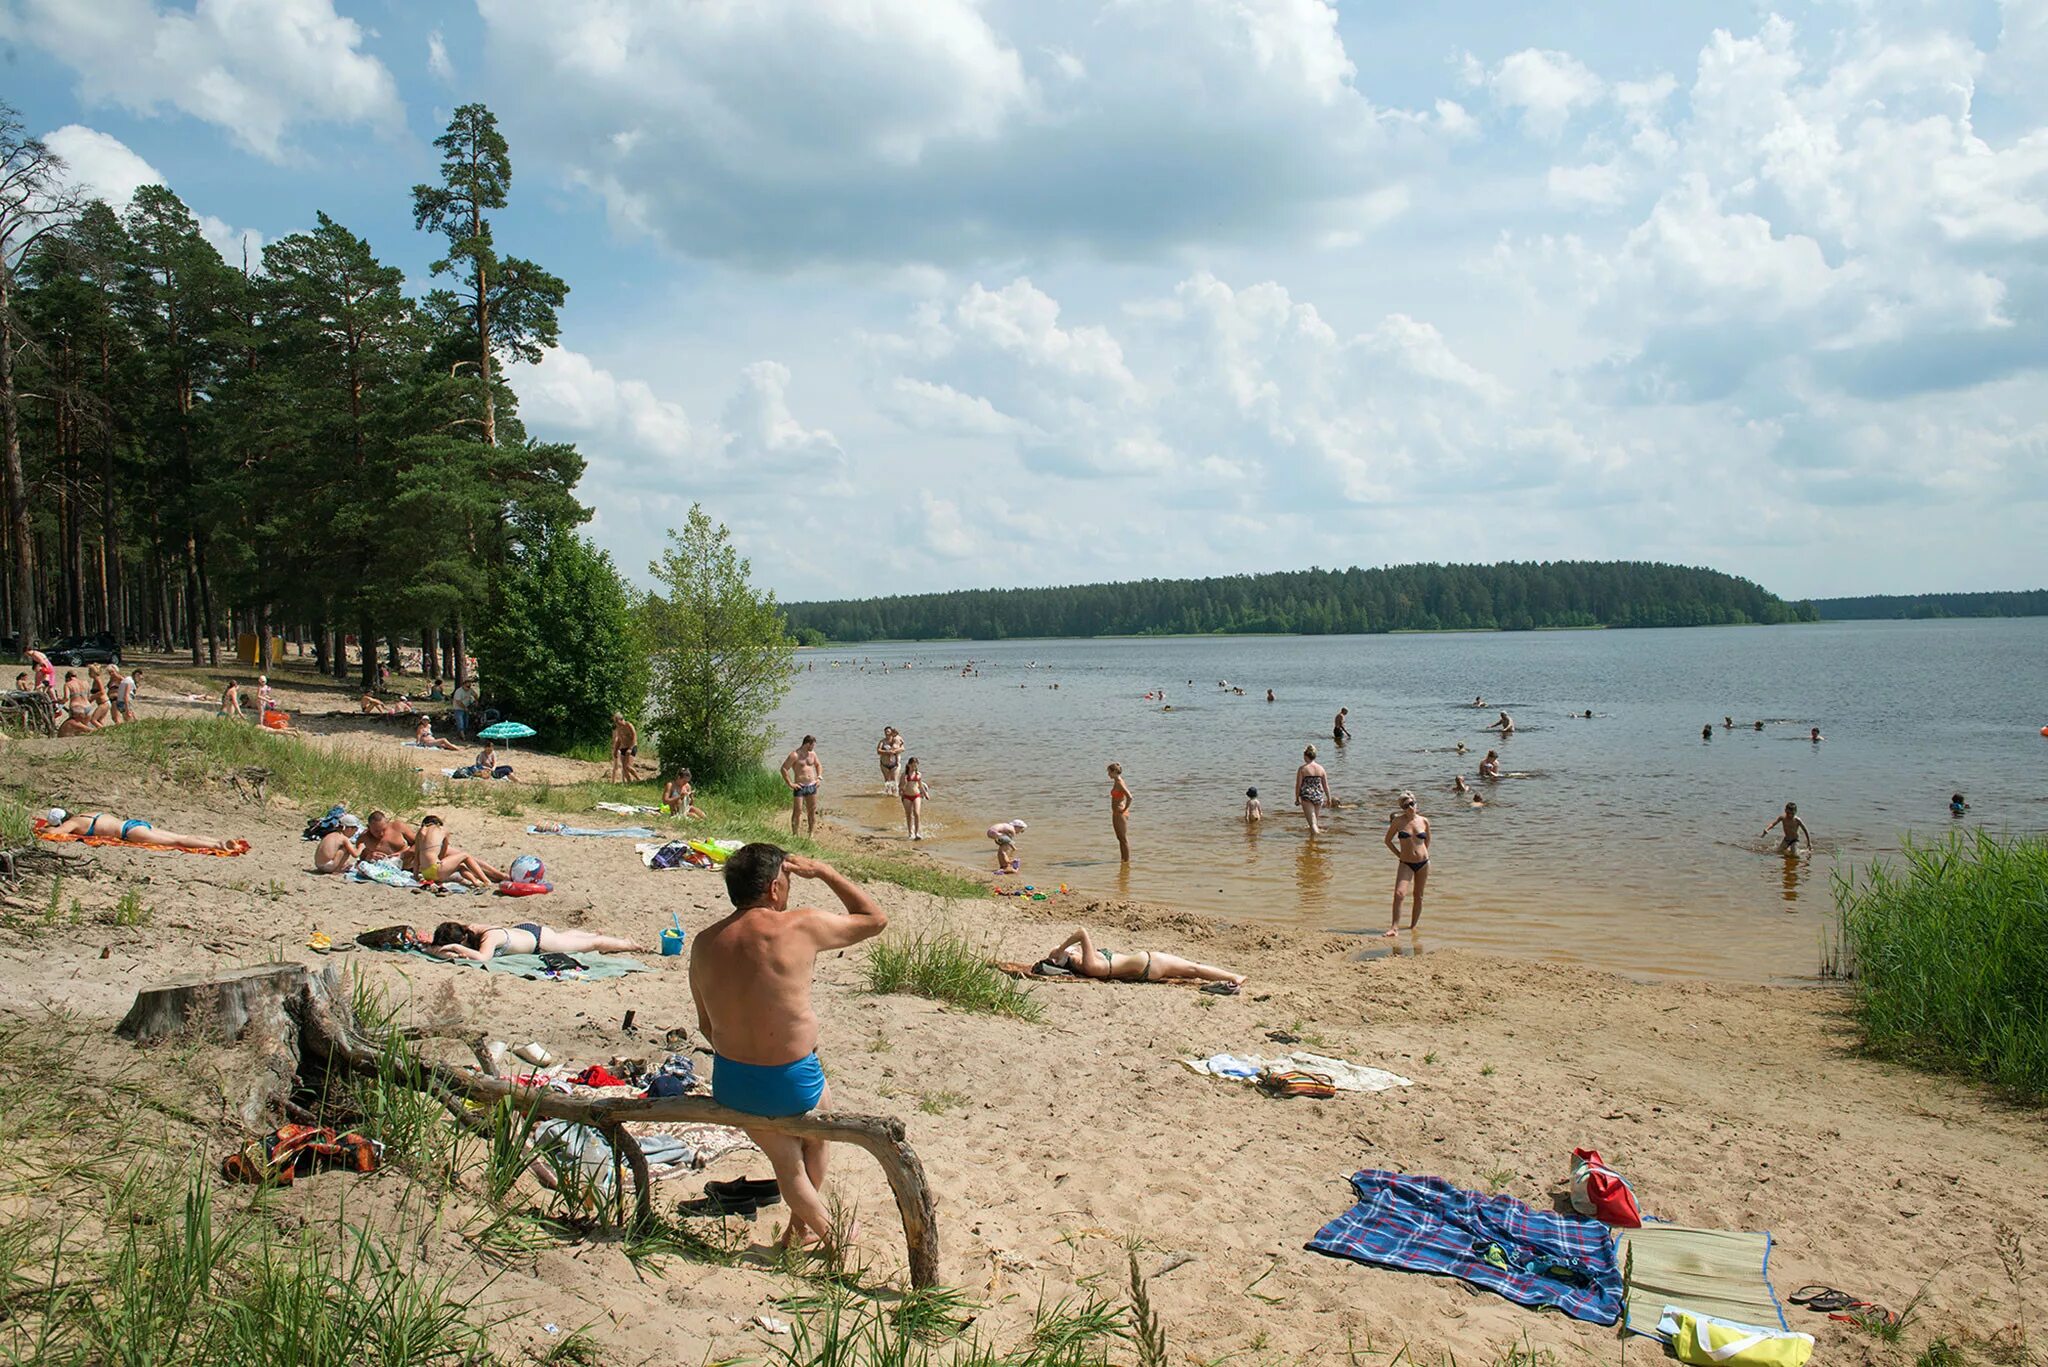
x=1340, y=732
x=1120, y=811
x=1269, y=695
x=1759, y=726
x=1707, y=731
x=1793, y=830
x=1253, y=812
x=1478, y=800
x=1458, y=784
x=1956, y=805
x=1505, y=725
x=1490, y=766
x=1461, y=747
x=1407, y=839
x=1727, y=723
x=1312, y=790
x=1479, y=702
x=1815, y=736
x=1587, y=714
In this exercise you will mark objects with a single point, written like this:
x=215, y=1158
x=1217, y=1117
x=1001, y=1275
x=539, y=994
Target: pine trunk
x=26, y=625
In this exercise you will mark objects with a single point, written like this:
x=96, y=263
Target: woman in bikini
x=1407, y=840
x=456, y=940
x=437, y=861
x=1312, y=790
x=130, y=831
x=1120, y=811
x=1078, y=954
x=889, y=753
x=913, y=790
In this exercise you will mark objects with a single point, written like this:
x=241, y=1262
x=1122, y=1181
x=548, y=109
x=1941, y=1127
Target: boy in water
x=1253, y=813
x=1956, y=805
x=1794, y=830
x=1005, y=834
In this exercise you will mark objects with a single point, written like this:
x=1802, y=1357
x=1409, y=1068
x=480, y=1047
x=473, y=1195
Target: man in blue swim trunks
x=803, y=771
x=751, y=976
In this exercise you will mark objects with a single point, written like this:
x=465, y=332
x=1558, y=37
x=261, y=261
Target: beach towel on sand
x=1534, y=1258
x=1717, y=1272
x=1343, y=1074
x=596, y=967
x=234, y=847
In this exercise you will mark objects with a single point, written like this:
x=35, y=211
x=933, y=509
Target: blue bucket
x=671, y=942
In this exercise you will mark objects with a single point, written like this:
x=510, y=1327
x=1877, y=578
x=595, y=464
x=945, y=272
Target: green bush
x=945, y=967
x=1949, y=954
x=561, y=650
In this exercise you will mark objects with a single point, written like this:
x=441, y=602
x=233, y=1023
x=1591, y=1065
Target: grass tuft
x=1949, y=958
x=945, y=967
x=192, y=750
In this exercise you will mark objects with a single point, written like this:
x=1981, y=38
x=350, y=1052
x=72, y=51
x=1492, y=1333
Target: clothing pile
x=1276, y=1074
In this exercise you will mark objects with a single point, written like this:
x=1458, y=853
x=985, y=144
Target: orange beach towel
x=42, y=833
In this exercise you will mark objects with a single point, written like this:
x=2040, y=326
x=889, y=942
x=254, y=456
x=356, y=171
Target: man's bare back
x=751, y=972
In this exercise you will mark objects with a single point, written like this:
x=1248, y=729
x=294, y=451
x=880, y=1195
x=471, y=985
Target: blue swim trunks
x=757, y=1089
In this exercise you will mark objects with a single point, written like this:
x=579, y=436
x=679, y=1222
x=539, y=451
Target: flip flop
x=1822, y=1298
x=1224, y=989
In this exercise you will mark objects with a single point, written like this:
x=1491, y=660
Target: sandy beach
x=1054, y=1146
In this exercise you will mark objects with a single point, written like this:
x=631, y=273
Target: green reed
x=946, y=967
x=1949, y=955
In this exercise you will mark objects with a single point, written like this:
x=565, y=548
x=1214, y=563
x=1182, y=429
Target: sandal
x=1823, y=1298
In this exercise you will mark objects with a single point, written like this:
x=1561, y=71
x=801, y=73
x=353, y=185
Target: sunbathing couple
x=424, y=851
x=130, y=831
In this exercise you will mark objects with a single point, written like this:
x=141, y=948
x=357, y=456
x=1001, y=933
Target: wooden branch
x=882, y=1136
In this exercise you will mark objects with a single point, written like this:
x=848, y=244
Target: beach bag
x=509, y=888
x=1600, y=1191
x=390, y=937
x=1709, y=1342
x=323, y=825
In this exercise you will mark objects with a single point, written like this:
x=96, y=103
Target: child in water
x=1956, y=805
x=1253, y=813
x=1793, y=831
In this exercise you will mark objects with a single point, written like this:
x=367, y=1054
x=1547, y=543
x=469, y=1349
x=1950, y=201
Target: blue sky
x=921, y=294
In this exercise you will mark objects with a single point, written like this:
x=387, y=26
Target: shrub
x=1950, y=958
x=945, y=967
x=561, y=650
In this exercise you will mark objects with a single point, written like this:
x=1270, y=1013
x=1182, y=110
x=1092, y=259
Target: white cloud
x=438, y=65
x=109, y=169
x=1545, y=87
x=949, y=130
x=254, y=68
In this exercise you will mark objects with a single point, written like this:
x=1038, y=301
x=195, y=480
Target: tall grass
x=942, y=965
x=17, y=825
x=1949, y=956
x=191, y=750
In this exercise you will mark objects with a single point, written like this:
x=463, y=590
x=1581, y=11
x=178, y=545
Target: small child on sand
x=1005, y=834
x=1253, y=813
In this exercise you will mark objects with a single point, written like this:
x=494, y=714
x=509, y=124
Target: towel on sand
x=387, y=872
x=632, y=832
x=1344, y=1075
x=627, y=809
x=596, y=967
x=1723, y=1273
x=1532, y=1257
x=234, y=847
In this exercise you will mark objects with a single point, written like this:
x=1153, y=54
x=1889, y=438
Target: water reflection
x=1796, y=872
x=1312, y=873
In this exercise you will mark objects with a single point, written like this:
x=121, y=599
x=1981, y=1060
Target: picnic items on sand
x=1534, y=1258
x=1601, y=1192
x=1707, y=1341
x=1341, y=1075
x=298, y=1150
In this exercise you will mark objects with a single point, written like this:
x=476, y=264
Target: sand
x=1052, y=1146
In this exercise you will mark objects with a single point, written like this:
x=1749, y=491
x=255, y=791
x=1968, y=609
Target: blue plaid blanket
x=1535, y=1258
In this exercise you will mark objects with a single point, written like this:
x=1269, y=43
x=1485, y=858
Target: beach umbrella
x=507, y=730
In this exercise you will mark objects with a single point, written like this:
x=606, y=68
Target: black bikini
x=1423, y=836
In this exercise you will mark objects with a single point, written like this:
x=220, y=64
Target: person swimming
x=1490, y=766
x=1707, y=731
x=1956, y=805
x=1815, y=736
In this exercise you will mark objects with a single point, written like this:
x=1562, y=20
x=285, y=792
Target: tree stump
x=222, y=1007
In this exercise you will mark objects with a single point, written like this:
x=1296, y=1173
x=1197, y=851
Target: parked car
x=100, y=648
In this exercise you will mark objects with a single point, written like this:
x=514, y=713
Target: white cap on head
x=56, y=816
x=1019, y=825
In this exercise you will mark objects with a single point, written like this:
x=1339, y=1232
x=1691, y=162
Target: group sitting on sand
x=425, y=851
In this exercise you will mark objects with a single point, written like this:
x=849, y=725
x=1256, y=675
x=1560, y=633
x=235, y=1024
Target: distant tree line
x=1513, y=596
x=2025, y=603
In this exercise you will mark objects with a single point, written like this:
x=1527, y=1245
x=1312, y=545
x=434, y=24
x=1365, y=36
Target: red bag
x=1600, y=1191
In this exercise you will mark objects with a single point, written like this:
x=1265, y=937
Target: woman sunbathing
x=129, y=831
x=1078, y=955
x=424, y=737
x=437, y=861
x=456, y=940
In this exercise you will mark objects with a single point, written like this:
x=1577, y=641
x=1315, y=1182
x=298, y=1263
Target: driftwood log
x=305, y=1016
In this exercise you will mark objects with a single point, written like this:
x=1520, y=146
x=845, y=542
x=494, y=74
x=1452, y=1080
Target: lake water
x=1623, y=841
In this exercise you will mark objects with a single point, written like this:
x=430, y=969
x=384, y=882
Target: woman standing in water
x=1120, y=811
x=1407, y=839
x=913, y=790
x=1312, y=790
